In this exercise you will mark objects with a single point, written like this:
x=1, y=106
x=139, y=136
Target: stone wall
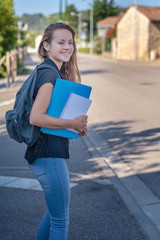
x=147, y=36
x=125, y=35
x=142, y=37
x=154, y=39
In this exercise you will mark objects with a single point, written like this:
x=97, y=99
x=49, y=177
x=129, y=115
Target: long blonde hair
x=69, y=69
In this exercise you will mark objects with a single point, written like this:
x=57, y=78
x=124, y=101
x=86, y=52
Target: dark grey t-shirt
x=47, y=145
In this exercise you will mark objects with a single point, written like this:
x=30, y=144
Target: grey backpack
x=17, y=120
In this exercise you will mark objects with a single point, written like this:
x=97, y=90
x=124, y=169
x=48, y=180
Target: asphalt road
x=121, y=112
x=96, y=209
x=126, y=112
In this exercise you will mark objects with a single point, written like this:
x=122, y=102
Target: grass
x=84, y=50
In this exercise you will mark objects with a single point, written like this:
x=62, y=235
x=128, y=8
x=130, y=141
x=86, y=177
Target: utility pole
x=79, y=15
x=60, y=10
x=79, y=28
x=91, y=27
x=66, y=4
x=135, y=31
x=19, y=33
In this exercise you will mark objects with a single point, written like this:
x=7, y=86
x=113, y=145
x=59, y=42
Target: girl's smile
x=61, y=47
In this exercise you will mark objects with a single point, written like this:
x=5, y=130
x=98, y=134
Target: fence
x=12, y=59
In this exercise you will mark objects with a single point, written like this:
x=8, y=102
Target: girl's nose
x=68, y=46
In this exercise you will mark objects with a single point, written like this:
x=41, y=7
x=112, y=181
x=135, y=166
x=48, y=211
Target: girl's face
x=61, y=47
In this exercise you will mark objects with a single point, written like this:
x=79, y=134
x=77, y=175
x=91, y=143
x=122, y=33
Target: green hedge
x=96, y=50
x=84, y=50
x=108, y=45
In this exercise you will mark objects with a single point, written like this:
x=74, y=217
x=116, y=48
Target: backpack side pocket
x=12, y=125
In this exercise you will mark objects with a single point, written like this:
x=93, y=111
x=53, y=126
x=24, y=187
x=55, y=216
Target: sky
x=47, y=7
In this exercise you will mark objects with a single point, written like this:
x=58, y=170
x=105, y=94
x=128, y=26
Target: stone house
x=37, y=41
x=138, y=33
x=106, y=25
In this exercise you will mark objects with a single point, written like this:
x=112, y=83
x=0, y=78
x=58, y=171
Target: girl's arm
x=38, y=116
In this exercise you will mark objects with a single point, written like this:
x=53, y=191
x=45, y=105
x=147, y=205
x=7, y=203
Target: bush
x=108, y=46
x=97, y=48
x=84, y=50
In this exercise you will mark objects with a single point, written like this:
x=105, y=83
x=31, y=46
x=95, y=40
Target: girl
x=47, y=156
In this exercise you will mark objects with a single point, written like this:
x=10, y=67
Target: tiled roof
x=153, y=13
x=108, y=21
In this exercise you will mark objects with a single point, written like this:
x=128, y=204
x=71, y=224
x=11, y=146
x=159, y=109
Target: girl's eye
x=61, y=43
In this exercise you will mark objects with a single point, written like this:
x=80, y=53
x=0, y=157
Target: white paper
x=74, y=107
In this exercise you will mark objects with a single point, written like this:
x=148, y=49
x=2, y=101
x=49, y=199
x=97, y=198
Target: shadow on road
x=120, y=137
x=134, y=148
x=92, y=72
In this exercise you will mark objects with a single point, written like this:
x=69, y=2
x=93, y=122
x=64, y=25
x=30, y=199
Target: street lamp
x=91, y=27
x=79, y=15
x=66, y=4
x=19, y=23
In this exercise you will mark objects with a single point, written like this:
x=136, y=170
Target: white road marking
x=5, y=103
x=33, y=184
x=23, y=183
x=92, y=177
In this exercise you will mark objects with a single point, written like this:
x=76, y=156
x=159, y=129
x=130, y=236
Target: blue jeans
x=52, y=173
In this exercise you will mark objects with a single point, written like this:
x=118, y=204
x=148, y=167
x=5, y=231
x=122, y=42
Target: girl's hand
x=80, y=123
x=83, y=132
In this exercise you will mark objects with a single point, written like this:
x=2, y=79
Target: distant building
x=37, y=40
x=146, y=21
x=105, y=25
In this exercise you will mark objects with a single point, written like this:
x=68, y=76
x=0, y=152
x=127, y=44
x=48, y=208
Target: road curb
x=137, y=196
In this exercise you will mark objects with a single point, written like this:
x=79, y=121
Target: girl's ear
x=46, y=46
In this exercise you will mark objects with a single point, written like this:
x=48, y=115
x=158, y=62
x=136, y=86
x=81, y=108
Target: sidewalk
x=139, y=200
x=140, y=63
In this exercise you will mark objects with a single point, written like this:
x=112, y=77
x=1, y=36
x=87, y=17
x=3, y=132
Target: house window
x=157, y=25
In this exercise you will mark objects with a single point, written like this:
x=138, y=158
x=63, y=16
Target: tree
x=8, y=27
x=53, y=18
x=103, y=9
x=112, y=10
x=71, y=19
x=35, y=21
x=86, y=23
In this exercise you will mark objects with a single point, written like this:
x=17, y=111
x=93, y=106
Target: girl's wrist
x=71, y=123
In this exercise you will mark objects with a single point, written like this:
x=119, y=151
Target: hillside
x=38, y=21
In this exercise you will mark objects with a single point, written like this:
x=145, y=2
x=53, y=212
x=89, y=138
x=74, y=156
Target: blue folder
x=62, y=90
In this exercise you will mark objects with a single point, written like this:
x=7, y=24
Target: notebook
x=75, y=106
x=61, y=92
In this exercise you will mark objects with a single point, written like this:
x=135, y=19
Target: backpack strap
x=48, y=66
x=40, y=139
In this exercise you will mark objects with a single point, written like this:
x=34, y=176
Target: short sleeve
x=45, y=76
